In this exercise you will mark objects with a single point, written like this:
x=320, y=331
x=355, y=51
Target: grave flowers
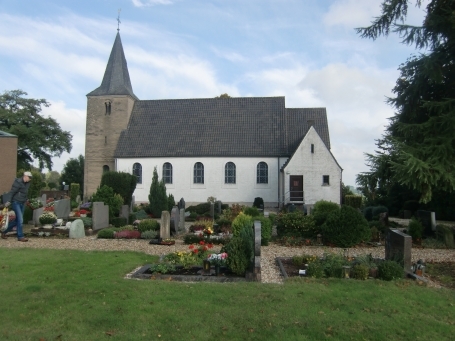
x=47, y=218
x=34, y=203
x=217, y=259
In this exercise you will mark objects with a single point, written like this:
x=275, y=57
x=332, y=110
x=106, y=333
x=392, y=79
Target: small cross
x=118, y=20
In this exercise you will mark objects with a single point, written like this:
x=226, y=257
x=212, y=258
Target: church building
x=233, y=149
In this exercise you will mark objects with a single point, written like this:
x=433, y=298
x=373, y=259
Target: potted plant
x=47, y=219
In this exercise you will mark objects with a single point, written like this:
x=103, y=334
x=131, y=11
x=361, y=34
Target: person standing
x=18, y=195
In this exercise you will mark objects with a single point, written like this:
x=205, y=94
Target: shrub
x=266, y=230
x=107, y=233
x=354, y=201
x=157, y=198
x=47, y=218
x=148, y=225
x=106, y=195
x=321, y=211
x=295, y=223
x=132, y=218
x=141, y=215
x=445, y=234
x=346, y=227
x=238, y=258
x=199, y=209
x=251, y=211
x=360, y=271
x=127, y=234
x=368, y=213
x=149, y=234
x=242, y=221
x=118, y=221
x=377, y=210
x=315, y=270
x=87, y=222
x=122, y=183
x=390, y=270
x=415, y=229
x=75, y=189
x=333, y=265
x=258, y=202
x=170, y=202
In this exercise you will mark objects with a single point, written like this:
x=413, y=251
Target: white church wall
x=243, y=191
x=313, y=166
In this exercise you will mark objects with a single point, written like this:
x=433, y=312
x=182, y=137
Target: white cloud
x=145, y=3
x=352, y=13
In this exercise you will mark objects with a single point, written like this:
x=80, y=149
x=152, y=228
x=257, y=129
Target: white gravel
x=269, y=269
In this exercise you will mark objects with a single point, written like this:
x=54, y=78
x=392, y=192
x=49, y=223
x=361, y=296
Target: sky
x=305, y=50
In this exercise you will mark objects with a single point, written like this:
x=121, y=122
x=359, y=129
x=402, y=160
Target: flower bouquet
x=47, y=218
x=34, y=204
x=217, y=259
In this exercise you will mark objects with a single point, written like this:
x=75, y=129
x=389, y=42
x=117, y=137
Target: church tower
x=108, y=112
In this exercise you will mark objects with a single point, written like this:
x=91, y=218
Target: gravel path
x=269, y=269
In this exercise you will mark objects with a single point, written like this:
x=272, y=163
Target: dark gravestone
x=218, y=206
x=425, y=218
x=181, y=204
x=175, y=219
x=398, y=248
x=384, y=219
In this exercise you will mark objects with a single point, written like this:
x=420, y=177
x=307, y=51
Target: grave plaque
x=425, y=218
x=181, y=203
x=398, y=248
x=182, y=221
x=175, y=220
x=125, y=212
x=77, y=230
x=36, y=213
x=62, y=208
x=165, y=227
x=100, y=215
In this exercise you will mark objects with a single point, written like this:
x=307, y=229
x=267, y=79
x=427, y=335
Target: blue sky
x=305, y=50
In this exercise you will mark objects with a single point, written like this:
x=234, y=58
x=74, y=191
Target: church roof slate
x=116, y=80
x=218, y=127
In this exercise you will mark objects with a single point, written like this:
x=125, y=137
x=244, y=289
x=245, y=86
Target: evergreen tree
x=157, y=198
x=73, y=172
x=419, y=141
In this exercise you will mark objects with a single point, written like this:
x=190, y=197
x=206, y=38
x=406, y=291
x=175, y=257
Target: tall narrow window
x=167, y=173
x=137, y=170
x=325, y=180
x=198, y=174
x=229, y=173
x=105, y=168
x=262, y=176
x=312, y=148
x=107, y=104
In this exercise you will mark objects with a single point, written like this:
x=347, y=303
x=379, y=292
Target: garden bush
x=333, y=265
x=242, y=221
x=296, y=224
x=122, y=183
x=87, y=222
x=346, y=227
x=377, y=210
x=199, y=209
x=75, y=190
x=149, y=234
x=239, y=253
x=354, y=201
x=322, y=209
x=315, y=270
x=148, y=225
x=390, y=270
x=108, y=233
x=368, y=213
x=141, y=214
x=360, y=271
x=415, y=229
x=258, y=202
x=118, y=221
x=445, y=233
x=251, y=211
x=106, y=195
x=266, y=229
x=127, y=234
x=411, y=205
x=131, y=218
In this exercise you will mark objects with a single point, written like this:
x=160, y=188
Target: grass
x=76, y=295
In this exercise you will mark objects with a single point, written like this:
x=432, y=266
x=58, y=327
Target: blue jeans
x=18, y=208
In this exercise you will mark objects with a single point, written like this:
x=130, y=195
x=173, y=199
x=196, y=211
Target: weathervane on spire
x=118, y=20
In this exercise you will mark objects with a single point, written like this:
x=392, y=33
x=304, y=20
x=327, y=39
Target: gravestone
x=100, y=216
x=77, y=230
x=175, y=220
x=309, y=208
x=78, y=199
x=182, y=221
x=218, y=206
x=398, y=248
x=212, y=210
x=62, y=208
x=426, y=218
x=43, y=199
x=384, y=219
x=36, y=214
x=133, y=203
x=165, y=227
x=181, y=203
x=125, y=212
x=255, y=274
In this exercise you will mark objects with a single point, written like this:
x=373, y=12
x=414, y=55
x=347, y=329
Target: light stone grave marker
x=165, y=227
x=77, y=230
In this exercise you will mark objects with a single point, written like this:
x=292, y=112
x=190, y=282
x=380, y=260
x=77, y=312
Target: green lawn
x=75, y=295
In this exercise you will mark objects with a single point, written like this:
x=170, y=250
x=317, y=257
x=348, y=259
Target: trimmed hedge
x=296, y=224
x=322, y=209
x=353, y=200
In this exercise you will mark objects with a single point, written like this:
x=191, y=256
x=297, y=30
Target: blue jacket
x=19, y=190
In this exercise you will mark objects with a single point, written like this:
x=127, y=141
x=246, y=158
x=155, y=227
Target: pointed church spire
x=116, y=80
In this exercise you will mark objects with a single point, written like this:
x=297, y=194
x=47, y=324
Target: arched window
x=262, y=176
x=229, y=173
x=137, y=170
x=167, y=173
x=198, y=175
x=105, y=168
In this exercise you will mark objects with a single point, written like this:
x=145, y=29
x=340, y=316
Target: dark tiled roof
x=236, y=127
x=298, y=121
x=116, y=80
